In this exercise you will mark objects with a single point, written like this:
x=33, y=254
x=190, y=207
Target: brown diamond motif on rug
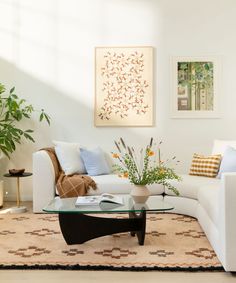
x=72, y=252
x=30, y=251
x=6, y=232
x=116, y=253
x=50, y=218
x=20, y=218
x=43, y=232
x=203, y=252
x=161, y=253
x=155, y=234
x=184, y=218
x=192, y=233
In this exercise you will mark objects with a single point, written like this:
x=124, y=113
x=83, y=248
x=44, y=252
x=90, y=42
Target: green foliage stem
x=12, y=111
x=158, y=172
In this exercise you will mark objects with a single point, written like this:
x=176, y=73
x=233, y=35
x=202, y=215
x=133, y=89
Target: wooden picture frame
x=123, y=86
x=195, y=87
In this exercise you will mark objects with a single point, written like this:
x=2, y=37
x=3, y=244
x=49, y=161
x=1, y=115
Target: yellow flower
x=162, y=171
x=115, y=155
x=150, y=153
x=126, y=175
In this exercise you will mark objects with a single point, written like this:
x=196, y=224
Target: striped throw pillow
x=207, y=166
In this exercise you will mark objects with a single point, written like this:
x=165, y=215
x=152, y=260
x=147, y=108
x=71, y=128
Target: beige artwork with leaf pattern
x=123, y=87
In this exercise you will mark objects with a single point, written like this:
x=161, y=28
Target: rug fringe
x=111, y=268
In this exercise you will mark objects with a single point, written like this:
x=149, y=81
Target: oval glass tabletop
x=67, y=205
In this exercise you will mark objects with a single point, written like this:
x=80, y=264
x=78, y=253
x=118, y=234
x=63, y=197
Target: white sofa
x=212, y=201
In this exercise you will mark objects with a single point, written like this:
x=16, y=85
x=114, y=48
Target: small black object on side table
x=18, y=208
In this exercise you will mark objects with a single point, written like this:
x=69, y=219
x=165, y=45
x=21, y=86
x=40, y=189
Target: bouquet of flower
x=145, y=169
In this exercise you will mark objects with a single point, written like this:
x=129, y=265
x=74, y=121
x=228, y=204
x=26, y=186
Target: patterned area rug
x=173, y=242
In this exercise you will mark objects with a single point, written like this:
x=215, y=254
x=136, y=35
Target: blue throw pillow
x=94, y=161
x=228, y=163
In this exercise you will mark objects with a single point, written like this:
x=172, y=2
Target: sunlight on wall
x=54, y=40
x=31, y=33
x=6, y=30
x=141, y=12
x=28, y=37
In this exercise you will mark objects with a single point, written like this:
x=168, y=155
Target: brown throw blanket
x=69, y=185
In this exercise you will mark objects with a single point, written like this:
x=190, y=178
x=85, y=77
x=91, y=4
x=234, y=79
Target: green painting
x=195, y=86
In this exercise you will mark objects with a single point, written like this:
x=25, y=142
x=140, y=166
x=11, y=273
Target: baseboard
x=12, y=197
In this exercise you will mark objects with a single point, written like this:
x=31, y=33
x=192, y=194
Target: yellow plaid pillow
x=207, y=166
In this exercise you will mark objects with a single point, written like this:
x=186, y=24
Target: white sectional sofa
x=212, y=201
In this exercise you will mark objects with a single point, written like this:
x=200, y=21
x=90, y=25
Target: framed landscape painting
x=195, y=87
x=123, y=86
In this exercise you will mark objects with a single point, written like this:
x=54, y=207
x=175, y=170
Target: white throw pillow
x=68, y=155
x=220, y=146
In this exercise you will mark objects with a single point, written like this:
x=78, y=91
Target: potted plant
x=143, y=169
x=12, y=111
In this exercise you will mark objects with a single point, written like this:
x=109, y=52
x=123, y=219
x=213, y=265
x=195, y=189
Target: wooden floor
x=36, y=276
x=7, y=207
x=45, y=276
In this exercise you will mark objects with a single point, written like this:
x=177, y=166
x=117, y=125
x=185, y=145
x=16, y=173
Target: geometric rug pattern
x=172, y=242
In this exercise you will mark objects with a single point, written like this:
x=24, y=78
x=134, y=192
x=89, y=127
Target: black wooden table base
x=79, y=228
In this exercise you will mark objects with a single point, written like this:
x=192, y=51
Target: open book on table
x=96, y=200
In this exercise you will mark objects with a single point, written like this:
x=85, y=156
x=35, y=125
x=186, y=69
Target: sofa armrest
x=227, y=226
x=43, y=180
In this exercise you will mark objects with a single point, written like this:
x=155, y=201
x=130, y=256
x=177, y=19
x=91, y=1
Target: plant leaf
x=47, y=118
x=27, y=136
x=41, y=117
x=11, y=90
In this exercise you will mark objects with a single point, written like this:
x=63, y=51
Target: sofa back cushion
x=228, y=163
x=220, y=146
x=69, y=157
x=94, y=161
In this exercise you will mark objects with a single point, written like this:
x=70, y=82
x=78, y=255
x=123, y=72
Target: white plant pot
x=140, y=193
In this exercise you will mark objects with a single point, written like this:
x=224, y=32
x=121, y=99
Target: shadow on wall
x=71, y=121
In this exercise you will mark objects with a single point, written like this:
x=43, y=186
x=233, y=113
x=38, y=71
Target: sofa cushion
x=208, y=197
x=207, y=166
x=190, y=185
x=94, y=161
x=220, y=146
x=228, y=163
x=115, y=185
x=69, y=157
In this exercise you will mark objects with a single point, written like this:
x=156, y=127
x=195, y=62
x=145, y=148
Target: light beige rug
x=173, y=242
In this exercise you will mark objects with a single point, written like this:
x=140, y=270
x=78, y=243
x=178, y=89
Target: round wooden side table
x=18, y=208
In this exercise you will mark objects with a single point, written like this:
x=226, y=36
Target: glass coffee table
x=78, y=226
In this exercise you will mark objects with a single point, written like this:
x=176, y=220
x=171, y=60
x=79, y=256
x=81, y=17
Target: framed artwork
x=195, y=87
x=123, y=86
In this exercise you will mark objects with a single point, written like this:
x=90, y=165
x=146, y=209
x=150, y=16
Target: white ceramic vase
x=140, y=193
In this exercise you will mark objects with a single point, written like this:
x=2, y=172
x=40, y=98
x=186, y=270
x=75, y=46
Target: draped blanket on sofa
x=69, y=185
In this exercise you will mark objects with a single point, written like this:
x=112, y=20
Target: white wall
x=47, y=52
